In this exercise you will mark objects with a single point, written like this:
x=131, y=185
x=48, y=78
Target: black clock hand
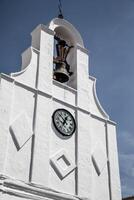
x=61, y=116
x=65, y=120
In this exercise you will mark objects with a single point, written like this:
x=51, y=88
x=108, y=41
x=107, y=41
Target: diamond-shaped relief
x=62, y=164
x=99, y=159
x=20, y=130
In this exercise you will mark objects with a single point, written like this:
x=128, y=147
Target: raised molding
x=31, y=191
x=99, y=158
x=69, y=165
x=20, y=130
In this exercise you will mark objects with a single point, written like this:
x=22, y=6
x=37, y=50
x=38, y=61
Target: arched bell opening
x=64, y=69
x=67, y=32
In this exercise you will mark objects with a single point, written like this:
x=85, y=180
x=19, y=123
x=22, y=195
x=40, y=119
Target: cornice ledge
x=6, y=77
x=31, y=191
x=44, y=28
x=82, y=49
x=61, y=85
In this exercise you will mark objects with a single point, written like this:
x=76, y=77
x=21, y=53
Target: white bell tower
x=40, y=159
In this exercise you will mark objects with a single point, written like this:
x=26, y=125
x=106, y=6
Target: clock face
x=64, y=122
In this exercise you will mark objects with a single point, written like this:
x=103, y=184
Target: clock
x=64, y=122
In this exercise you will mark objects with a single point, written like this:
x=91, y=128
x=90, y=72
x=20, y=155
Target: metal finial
x=60, y=10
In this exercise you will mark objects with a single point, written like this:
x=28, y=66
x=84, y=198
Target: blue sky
x=107, y=28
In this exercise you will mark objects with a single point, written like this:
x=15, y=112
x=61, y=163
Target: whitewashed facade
x=36, y=162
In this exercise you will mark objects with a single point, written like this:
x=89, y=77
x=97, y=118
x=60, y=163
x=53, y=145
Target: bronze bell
x=62, y=68
x=60, y=72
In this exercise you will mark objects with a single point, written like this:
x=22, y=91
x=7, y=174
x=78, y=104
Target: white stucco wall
x=32, y=150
